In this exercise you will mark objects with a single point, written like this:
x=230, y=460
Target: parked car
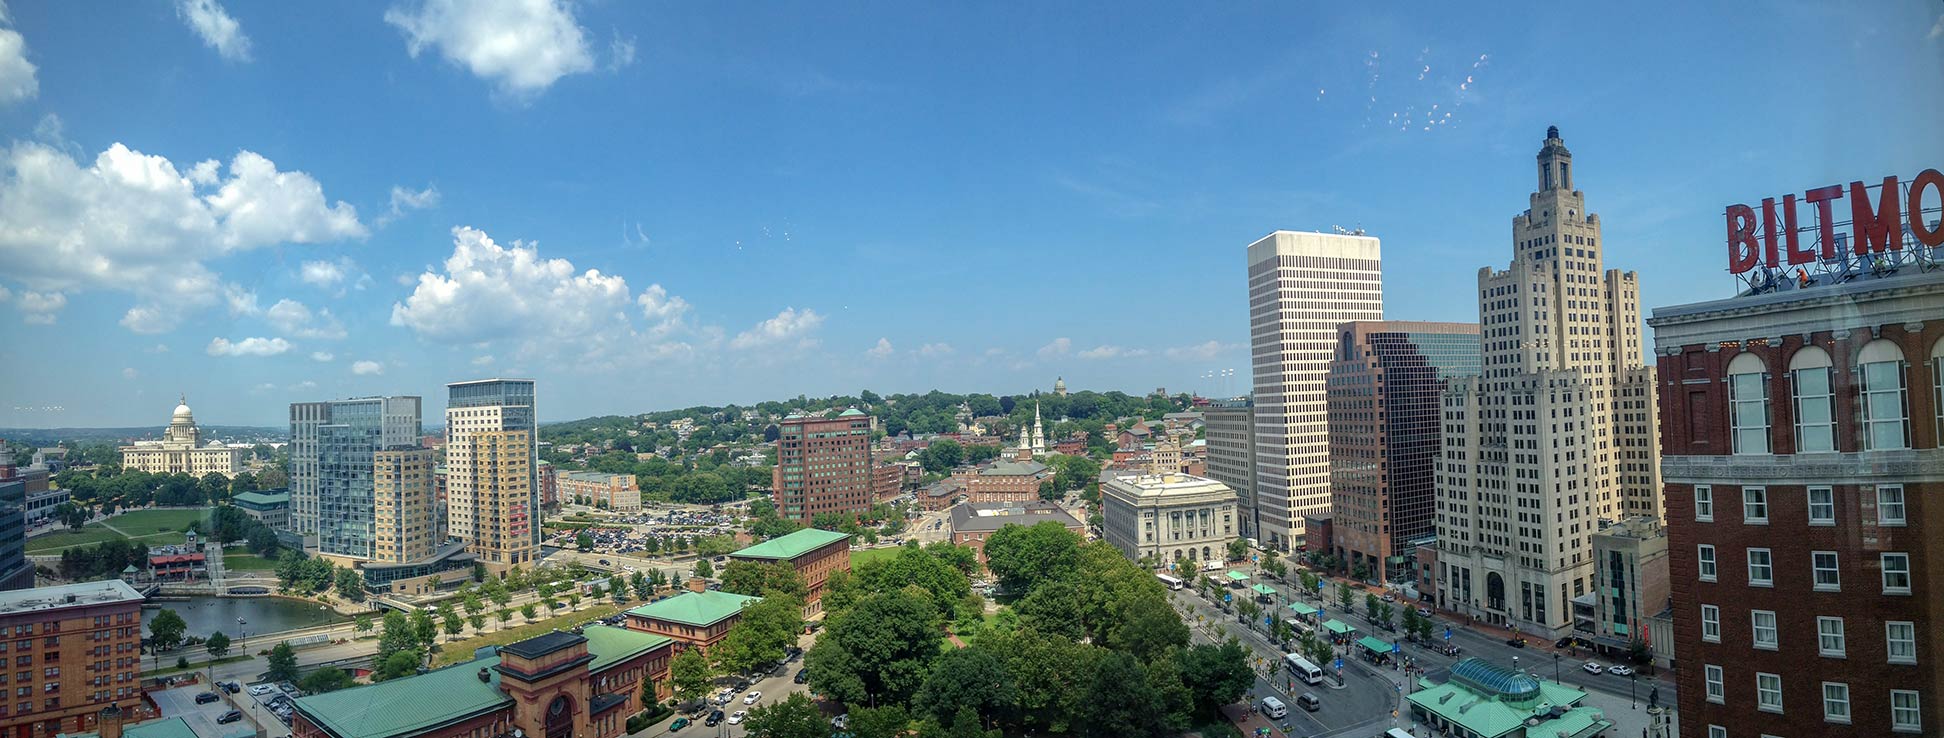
x=1515, y=642
x=1620, y=670
x=680, y=723
x=230, y=717
x=1425, y=611
x=260, y=689
x=841, y=722
x=715, y=718
x=230, y=687
x=802, y=676
x=206, y=698
x=1308, y=701
x=752, y=697
x=737, y=717
x=604, y=562
x=1593, y=668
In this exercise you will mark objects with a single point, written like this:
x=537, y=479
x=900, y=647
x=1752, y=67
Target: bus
x=1303, y=669
x=1172, y=582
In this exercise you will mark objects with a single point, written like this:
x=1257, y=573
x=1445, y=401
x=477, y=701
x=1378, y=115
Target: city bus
x=1303, y=669
x=1172, y=582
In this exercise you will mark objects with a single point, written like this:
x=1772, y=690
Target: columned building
x=1801, y=434
x=492, y=467
x=1230, y=433
x=182, y=449
x=333, y=449
x=1172, y=517
x=1558, y=433
x=1301, y=286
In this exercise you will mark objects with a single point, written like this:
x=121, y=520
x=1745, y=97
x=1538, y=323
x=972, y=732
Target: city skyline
x=746, y=190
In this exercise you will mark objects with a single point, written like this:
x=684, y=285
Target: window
x=1716, y=731
x=1711, y=676
x=1815, y=404
x=1762, y=627
x=1829, y=637
x=1755, y=505
x=1706, y=555
x=1748, y=404
x=1900, y=637
x=1822, y=506
x=1880, y=368
x=1890, y=505
x=1836, y=702
x=1827, y=578
x=1703, y=503
x=1761, y=568
x=1896, y=573
x=1711, y=623
x=1905, y=717
x=1768, y=692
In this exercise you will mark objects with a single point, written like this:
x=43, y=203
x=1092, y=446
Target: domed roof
x=182, y=410
x=1485, y=676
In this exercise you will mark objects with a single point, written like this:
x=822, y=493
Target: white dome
x=182, y=411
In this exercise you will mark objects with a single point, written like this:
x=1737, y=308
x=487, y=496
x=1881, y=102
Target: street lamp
x=1555, y=667
x=1631, y=703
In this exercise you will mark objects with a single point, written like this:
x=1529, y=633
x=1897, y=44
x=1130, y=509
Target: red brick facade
x=71, y=659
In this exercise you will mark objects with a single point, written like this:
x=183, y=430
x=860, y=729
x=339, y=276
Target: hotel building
x=492, y=462
x=75, y=650
x=1230, y=432
x=823, y=465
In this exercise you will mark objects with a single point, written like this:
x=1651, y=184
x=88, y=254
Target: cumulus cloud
x=933, y=350
x=293, y=317
x=324, y=273
x=128, y=372
x=17, y=80
x=403, y=200
x=1203, y=351
x=789, y=326
x=521, y=46
x=40, y=308
x=663, y=311
x=220, y=346
x=322, y=356
x=881, y=350
x=1108, y=351
x=1059, y=347
x=367, y=367
x=136, y=223
x=240, y=301
x=217, y=29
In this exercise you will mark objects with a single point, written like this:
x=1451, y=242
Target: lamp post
x=1555, y=667
x=1632, y=703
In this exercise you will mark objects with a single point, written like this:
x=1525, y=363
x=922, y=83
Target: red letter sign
x=1926, y=235
x=1875, y=232
x=1741, y=239
x=1825, y=222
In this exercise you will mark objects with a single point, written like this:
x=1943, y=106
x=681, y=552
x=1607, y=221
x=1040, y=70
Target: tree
x=1120, y=701
x=1343, y=595
x=689, y=675
x=763, y=633
x=1309, y=582
x=584, y=541
x=400, y=664
x=639, y=582
x=218, y=644
x=763, y=579
x=703, y=569
x=794, y=716
x=166, y=630
x=1370, y=606
x=1148, y=627
x=1411, y=619
x=453, y=625
x=963, y=724
x=350, y=585
x=1021, y=556
x=283, y=663
x=881, y=647
x=473, y=604
x=504, y=615
x=889, y=721
x=966, y=678
x=425, y=628
x=328, y=679
x=1238, y=550
x=1385, y=613
x=1216, y=675
x=527, y=611
x=1055, y=608
x=477, y=621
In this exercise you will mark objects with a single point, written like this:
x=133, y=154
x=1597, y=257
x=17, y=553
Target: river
x=206, y=614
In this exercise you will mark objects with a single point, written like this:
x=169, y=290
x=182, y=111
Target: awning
x=1264, y=589
x=1302, y=609
x=1236, y=576
x=1374, y=644
x=1337, y=626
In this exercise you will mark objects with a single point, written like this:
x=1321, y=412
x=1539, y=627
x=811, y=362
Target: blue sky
x=260, y=203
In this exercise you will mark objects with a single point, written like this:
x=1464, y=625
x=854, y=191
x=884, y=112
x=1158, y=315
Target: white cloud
x=17, y=81
x=788, y=325
x=367, y=367
x=40, y=308
x=220, y=346
x=881, y=350
x=1059, y=347
x=1937, y=31
x=291, y=316
x=482, y=360
x=933, y=350
x=403, y=199
x=325, y=274
x=304, y=385
x=621, y=52
x=322, y=356
x=128, y=372
x=522, y=46
x=663, y=312
x=217, y=29
x=160, y=348
x=1111, y=352
x=240, y=301
x=1203, y=351
x=135, y=223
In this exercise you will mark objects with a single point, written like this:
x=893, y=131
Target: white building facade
x=1301, y=287
x=182, y=449
x=1173, y=517
x=1559, y=432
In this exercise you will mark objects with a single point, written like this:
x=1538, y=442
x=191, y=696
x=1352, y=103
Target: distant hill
x=51, y=436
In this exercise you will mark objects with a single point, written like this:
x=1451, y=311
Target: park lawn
x=143, y=524
x=859, y=558
x=462, y=650
x=54, y=543
x=247, y=562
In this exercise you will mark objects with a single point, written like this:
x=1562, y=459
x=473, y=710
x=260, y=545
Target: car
x=206, y=698
x=229, y=717
x=802, y=676
x=841, y=722
x=1593, y=668
x=1515, y=642
x=752, y=697
x=287, y=687
x=1308, y=701
x=680, y=723
x=742, y=683
x=230, y=687
x=737, y=717
x=1390, y=596
x=604, y=562
x=260, y=689
x=715, y=718
x=1620, y=670
x=1424, y=611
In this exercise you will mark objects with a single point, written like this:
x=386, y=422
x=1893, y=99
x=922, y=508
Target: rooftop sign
x=1774, y=237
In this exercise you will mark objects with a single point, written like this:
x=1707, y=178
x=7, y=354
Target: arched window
x=1937, y=387
x=1886, y=411
x=1815, y=404
x=1748, y=404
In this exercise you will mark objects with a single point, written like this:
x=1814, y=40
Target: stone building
x=1171, y=517
x=973, y=522
x=182, y=449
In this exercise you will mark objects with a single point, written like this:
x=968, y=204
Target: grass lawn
x=858, y=558
x=144, y=524
x=247, y=562
x=462, y=650
x=56, y=542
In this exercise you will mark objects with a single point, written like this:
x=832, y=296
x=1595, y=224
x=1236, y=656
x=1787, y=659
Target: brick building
x=618, y=491
x=1800, y=425
x=813, y=553
x=692, y=619
x=1008, y=481
x=556, y=685
x=974, y=522
x=887, y=481
x=75, y=650
x=823, y=465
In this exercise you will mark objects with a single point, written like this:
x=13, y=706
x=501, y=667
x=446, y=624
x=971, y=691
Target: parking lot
x=181, y=702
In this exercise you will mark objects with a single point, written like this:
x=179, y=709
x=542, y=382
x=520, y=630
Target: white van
x=1274, y=708
x=1212, y=566
x=1303, y=669
x=1398, y=733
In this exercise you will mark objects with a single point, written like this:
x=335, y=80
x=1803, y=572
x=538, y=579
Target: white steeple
x=1039, y=437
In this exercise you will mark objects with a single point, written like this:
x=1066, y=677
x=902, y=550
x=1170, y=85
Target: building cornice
x=1869, y=467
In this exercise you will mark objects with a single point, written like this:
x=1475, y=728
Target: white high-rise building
x=1558, y=435
x=1301, y=287
x=492, y=462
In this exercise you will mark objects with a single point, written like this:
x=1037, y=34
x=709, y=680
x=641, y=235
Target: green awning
x=1264, y=589
x=1337, y=626
x=1302, y=609
x=1374, y=644
x=1236, y=576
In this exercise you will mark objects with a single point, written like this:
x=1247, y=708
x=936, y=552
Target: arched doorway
x=560, y=717
x=1494, y=591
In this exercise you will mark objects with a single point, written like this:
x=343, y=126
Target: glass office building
x=331, y=481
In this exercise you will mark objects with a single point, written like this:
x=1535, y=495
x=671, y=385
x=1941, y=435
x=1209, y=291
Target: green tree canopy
x=763, y=579
x=166, y=630
x=794, y=716
x=1022, y=556
x=1216, y=675
x=689, y=675
x=967, y=678
x=218, y=644
x=282, y=663
x=881, y=646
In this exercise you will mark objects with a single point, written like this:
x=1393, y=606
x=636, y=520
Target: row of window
x=1906, y=713
x=1832, y=641
x=1823, y=566
x=1883, y=402
x=1821, y=504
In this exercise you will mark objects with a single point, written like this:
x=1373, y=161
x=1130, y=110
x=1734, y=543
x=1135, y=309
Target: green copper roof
x=851, y=413
x=1481, y=715
x=611, y=645
x=260, y=498
x=1264, y=589
x=1302, y=609
x=1502, y=706
x=1577, y=722
x=1337, y=626
x=1374, y=643
x=174, y=727
x=792, y=545
x=1236, y=576
x=695, y=608
x=410, y=705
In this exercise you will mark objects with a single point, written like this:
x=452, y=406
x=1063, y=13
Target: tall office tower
x=1386, y=389
x=1558, y=434
x=1803, y=446
x=1301, y=286
x=1230, y=432
x=332, y=445
x=823, y=465
x=16, y=572
x=493, y=492
x=407, y=527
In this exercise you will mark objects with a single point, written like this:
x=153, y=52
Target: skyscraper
x=492, y=462
x=332, y=449
x=823, y=465
x=1386, y=388
x=1301, y=286
x=407, y=527
x=1558, y=434
x=1231, y=455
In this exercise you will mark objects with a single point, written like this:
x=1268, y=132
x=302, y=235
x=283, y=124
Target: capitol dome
x=182, y=410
